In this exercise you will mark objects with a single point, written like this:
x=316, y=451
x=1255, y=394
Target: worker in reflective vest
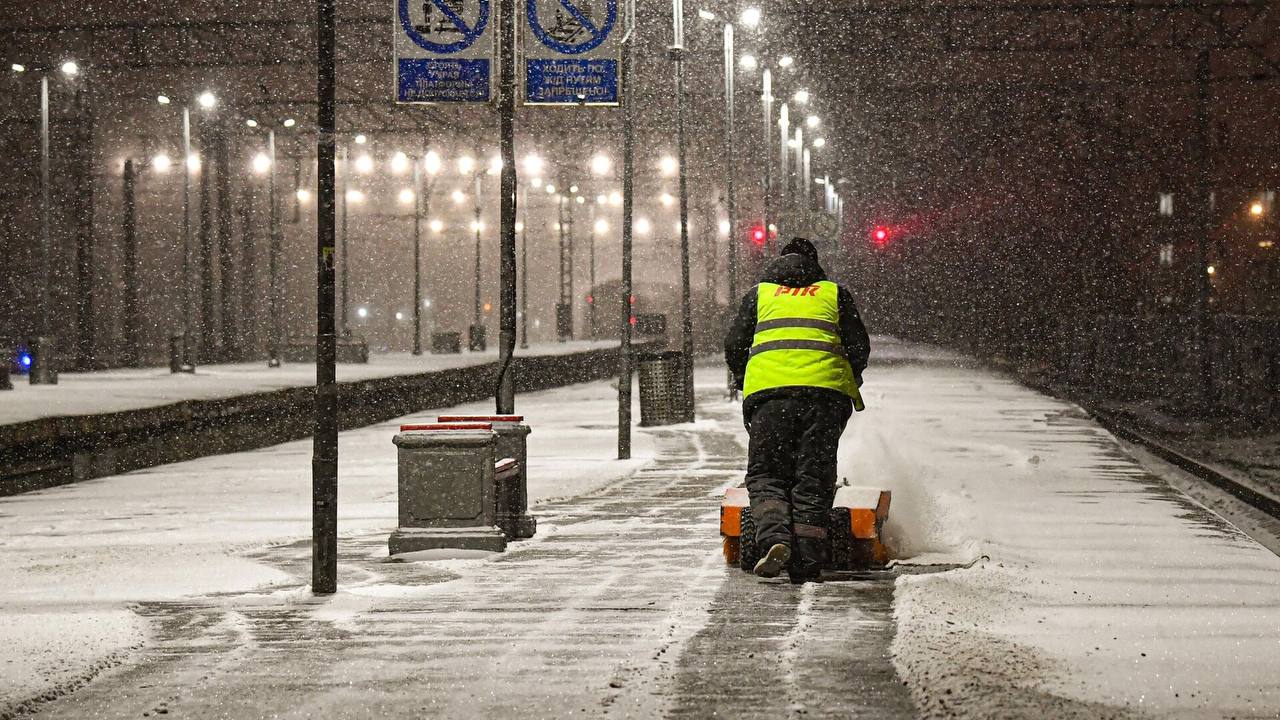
x=797, y=349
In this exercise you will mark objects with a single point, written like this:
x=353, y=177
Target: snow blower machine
x=854, y=529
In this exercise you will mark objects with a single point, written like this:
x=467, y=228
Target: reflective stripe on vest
x=797, y=341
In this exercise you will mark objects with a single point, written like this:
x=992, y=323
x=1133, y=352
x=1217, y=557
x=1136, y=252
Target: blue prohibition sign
x=578, y=21
x=469, y=34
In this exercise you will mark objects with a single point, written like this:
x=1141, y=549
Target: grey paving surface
x=621, y=608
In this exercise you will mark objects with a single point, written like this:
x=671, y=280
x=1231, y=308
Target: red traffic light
x=880, y=235
x=758, y=236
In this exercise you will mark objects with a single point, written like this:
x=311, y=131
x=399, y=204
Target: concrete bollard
x=511, y=494
x=446, y=488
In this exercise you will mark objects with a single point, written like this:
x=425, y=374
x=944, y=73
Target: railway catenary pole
x=628, y=209
x=731, y=205
x=324, y=454
x=524, y=267
x=506, y=390
x=275, y=301
x=677, y=53
x=766, y=102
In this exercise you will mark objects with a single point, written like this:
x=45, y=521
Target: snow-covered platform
x=1093, y=589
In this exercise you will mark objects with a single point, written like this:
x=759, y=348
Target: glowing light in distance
x=426, y=302
x=164, y=100
x=573, y=189
x=667, y=165
x=251, y=123
x=601, y=164
x=431, y=162
x=193, y=162
x=1256, y=209
x=537, y=183
x=519, y=226
x=303, y=195
x=615, y=198
x=399, y=162
x=706, y=14
x=602, y=199
x=261, y=163
x=290, y=122
x=724, y=227
x=747, y=62
x=676, y=227
x=477, y=225
x=551, y=189
x=458, y=197
x=580, y=199
x=355, y=196
x=812, y=121
x=399, y=315
x=161, y=162
x=533, y=164
x=750, y=17
x=436, y=226
x=601, y=227
x=666, y=199
x=406, y=195
x=819, y=142
x=1211, y=270
x=466, y=164
x=71, y=69
x=18, y=67
x=207, y=100
x=495, y=164
x=786, y=61
x=364, y=164
x=642, y=226
x=361, y=139
x=362, y=312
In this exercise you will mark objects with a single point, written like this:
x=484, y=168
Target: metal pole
x=591, y=276
x=324, y=454
x=628, y=166
x=132, y=326
x=476, y=227
x=342, y=260
x=505, y=399
x=42, y=347
x=524, y=268
x=187, y=364
x=766, y=101
x=1204, y=208
x=273, y=353
x=417, y=256
x=677, y=56
x=731, y=206
x=784, y=169
x=793, y=186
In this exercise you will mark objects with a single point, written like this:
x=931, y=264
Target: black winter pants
x=791, y=467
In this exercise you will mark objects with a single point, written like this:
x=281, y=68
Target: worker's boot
x=773, y=561
x=807, y=561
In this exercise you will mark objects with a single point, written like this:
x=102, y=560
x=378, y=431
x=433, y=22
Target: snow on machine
x=854, y=529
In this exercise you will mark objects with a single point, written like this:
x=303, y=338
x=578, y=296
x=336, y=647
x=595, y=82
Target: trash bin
x=445, y=483
x=476, y=341
x=662, y=400
x=511, y=491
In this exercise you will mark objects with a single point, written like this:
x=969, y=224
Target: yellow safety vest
x=797, y=341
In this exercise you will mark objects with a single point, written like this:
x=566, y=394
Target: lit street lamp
x=677, y=52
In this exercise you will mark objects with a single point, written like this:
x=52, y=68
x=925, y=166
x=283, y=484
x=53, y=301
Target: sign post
x=443, y=51
x=571, y=50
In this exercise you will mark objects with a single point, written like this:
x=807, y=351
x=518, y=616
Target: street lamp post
x=731, y=206
x=343, y=321
x=417, y=257
x=276, y=299
x=628, y=202
x=43, y=349
x=524, y=268
x=766, y=101
x=186, y=363
x=784, y=170
x=477, y=340
x=677, y=52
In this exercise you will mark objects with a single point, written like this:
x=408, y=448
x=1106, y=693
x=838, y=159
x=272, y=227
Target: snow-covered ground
x=119, y=390
x=74, y=559
x=1096, y=590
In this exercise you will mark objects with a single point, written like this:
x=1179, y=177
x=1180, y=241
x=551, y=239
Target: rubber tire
x=749, y=554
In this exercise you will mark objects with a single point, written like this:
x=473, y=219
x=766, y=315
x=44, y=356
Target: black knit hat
x=801, y=246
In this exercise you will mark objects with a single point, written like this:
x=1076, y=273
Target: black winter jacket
x=793, y=270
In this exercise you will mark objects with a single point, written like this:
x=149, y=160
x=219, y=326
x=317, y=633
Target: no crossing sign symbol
x=448, y=24
x=573, y=31
x=444, y=50
x=571, y=52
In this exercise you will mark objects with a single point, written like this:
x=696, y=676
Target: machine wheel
x=749, y=554
x=841, y=538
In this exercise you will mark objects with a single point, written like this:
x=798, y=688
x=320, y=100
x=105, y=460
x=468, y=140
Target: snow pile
x=76, y=557
x=1096, y=591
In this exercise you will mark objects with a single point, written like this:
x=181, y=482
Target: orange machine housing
x=860, y=512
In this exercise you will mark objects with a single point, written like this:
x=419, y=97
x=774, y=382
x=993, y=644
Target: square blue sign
x=424, y=80
x=571, y=81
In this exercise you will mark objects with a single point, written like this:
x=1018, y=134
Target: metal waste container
x=511, y=491
x=662, y=400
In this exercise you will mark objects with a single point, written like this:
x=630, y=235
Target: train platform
x=1040, y=571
